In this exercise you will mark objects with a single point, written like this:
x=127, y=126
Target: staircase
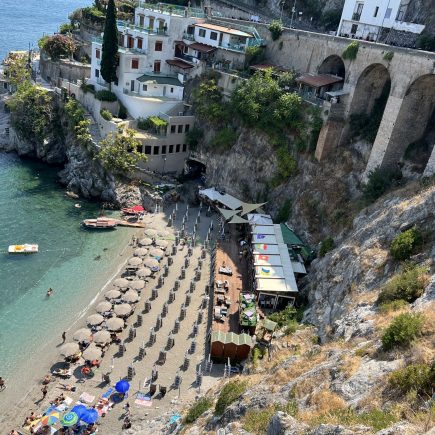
x=4, y=122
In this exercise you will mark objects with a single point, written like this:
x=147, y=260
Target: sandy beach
x=16, y=405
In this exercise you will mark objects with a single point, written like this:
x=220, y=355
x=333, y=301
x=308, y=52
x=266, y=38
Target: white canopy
x=259, y=219
x=223, y=198
x=299, y=267
x=269, y=272
x=268, y=260
x=268, y=239
x=263, y=229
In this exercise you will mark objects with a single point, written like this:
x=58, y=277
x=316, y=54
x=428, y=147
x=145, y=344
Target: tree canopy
x=109, y=58
x=58, y=46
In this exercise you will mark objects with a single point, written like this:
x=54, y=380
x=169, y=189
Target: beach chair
x=153, y=389
x=162, y=391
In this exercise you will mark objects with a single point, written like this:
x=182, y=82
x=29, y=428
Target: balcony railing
x=127, y=50
x=124, y=25
x=168, y=9
x=235, y=47
x=356, y=16
x=188, y=36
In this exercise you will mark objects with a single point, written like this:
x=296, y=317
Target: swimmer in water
x=49, y=292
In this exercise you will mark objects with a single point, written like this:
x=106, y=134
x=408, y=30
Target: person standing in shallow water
x=63, y=337
x=2, y=384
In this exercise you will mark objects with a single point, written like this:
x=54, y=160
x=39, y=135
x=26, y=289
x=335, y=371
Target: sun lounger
x=86, y=397
x=108, y=393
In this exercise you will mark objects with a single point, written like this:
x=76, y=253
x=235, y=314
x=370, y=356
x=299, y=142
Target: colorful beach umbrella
x=69, y=349
x=143, y=272
x=89, y=416
x=122, y=386
x=50, y=419
x=69, y=419
x=79, y=410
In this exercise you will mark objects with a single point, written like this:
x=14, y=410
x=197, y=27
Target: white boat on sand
x=27, y=248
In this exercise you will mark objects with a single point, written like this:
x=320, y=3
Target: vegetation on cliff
x=57, y=46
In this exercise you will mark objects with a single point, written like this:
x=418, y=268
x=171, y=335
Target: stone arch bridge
x=404, y=77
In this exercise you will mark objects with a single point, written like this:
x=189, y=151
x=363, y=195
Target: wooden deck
x=228, y=254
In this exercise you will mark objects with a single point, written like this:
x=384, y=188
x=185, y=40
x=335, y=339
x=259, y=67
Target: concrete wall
x=52, y=71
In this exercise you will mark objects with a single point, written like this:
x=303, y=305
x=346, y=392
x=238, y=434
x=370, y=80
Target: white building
x=365, y=19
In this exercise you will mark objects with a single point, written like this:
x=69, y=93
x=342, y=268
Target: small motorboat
x=27, y=248
x=104, y=223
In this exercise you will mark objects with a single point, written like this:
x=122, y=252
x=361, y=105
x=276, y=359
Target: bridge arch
x=413, y=125
x=333, y=65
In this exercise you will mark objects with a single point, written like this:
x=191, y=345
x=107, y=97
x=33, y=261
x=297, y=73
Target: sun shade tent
x=123, y=309
x=263, y=229
x=140, y=252
x=131, y=296
x=134, y=261
x=121, y=282
x=104, y=306
x=238, y=220
x=144, y=272
x=112, y=294
x=227, y=214
x=248, y=208
x=223, y=198
x=137, y=284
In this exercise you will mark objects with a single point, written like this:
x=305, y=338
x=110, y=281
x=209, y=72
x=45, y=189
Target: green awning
x=290, y=238
x=159, y=80
x=231, y=337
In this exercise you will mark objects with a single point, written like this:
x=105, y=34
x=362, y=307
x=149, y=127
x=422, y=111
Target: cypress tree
x=109, y=58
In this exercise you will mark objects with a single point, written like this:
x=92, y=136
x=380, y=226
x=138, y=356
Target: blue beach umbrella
x=122, y=386
x=89, y=416
x=69, y=419
x=79, y=410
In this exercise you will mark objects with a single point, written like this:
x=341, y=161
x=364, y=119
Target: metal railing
x=169, y=9
x=124, y=25
x=188, y=36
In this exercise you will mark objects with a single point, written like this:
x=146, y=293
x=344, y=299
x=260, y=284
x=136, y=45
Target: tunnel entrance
x=333, y=65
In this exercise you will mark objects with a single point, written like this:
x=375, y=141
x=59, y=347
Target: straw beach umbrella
x=115, y=324
x=151, y=262
x=134, y=261
x=144, y=272
x=145, y=241
x=69, y=349
x=131, y=296
x=123, y=310
x=95, y=319
x=156, y=252
x=112, y=294
x=162, y=233
x=92, y=352
x=150, y=232
x=140, y=252
x=104, y=307
x=83, y=334
x=121, y=283
x=162, y=243
x=137, y=284
x=102, y=337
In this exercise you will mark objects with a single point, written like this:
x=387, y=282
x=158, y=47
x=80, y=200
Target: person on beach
x=68, y=387
x=44, y=390
x=49, y=292
x=63, y=337
x=127, y=410
x=2, y=384
x=13, y=432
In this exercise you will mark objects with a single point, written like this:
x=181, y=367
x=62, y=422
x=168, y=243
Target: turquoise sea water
x=75, y=262
x=24, y=21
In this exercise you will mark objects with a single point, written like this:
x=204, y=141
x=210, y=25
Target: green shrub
x=87, y=88
x=105, y=114
x=122, y=113
x=326, y=246
x=229, y=394
x=197, y=409
x=284, y=211
x=275, y=29
x=224, y=139
x=143, y=124
x=257, y=420
x=253, y=55
x=74, y=111
x=287, y=317
x=408, y=285
x=66, y=28
x=402, y=331
x=406, y=243
x=106, y=95
x=379, y=181
x=398, y=304
x=93, y=14
x=388, y=56
x=414, y=377
x=58, y=46
x=426, y=41
x=351, y=51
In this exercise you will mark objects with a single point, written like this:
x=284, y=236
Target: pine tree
x=109, y=58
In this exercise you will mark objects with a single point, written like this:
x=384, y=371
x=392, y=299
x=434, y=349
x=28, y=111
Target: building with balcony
x=366, y=19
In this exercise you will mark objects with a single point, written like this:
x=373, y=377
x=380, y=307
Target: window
x=354, y=29
x=173, y=128
x=134, y=63
x=184, y=147
x=139, y=43
x=144, y=88
x=202, y=33
x=186, y=128
x=171, y=149
x=97, y=73
x=163, y=149
x=116, y=81
x=213, y=36
x=177, y=148
x=180, y=128
x=97, y=53
x=376, y=11
x=157, y=66
x=388, y=13
x=156, y=150
x=148, y=149
x=158, y=46
x=172, y=90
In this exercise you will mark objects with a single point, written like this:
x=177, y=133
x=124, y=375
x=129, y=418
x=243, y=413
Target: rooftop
x=159, y=79
x=180, y=63
x=223, y=29
x=319, y=80
x=174, y=10
x=203, y=48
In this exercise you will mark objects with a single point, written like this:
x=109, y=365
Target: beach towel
x=143, y=399
x=107, y=394
x=86, y=397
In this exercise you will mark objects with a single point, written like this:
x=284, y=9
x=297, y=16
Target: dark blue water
x=23, y=22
